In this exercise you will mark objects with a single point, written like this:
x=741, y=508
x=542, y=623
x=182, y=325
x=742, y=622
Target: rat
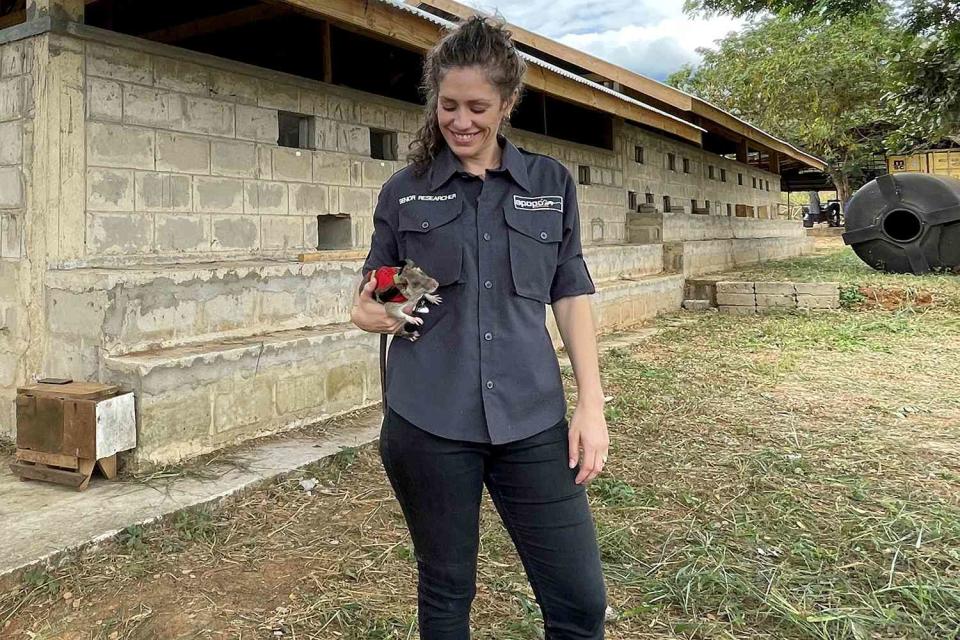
x=403, y=291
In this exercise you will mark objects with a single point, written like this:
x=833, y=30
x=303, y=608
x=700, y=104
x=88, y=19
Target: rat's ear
x=409, y=263
x=400, y=279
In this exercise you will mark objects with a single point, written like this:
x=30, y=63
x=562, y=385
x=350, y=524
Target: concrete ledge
x=685, y=227
x=612, y=262
x=707, y=256
x=195, y=399
x=117, y=311
x=628, y=302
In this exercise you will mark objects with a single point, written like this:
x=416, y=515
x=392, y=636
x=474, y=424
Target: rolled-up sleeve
x=384, y=250
x=572, y=277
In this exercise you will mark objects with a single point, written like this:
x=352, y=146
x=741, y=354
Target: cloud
x=654, y=38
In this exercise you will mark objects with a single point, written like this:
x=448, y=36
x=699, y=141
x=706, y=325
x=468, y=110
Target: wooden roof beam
x=416, y=33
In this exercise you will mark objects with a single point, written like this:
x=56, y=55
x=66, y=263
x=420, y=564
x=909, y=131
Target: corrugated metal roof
x=426, y=15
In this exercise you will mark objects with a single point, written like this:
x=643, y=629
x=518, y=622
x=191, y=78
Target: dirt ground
x=784, y=476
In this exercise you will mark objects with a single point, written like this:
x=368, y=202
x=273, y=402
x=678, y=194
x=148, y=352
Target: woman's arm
x=367, y=313
x=588, y=427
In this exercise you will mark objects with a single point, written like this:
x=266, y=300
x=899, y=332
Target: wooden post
x=327, y=54
x=743, y=152
x=775, y=162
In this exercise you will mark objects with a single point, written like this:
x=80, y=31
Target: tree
x=926, y=66
x=818, y=83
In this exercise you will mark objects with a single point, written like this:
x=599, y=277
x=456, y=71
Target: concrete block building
x=163, y=165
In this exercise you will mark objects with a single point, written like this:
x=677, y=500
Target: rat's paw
x=413, y=336
x=416, y=321
x=435, y=299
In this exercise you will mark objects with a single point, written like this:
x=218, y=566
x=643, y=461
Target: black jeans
x=439, y=482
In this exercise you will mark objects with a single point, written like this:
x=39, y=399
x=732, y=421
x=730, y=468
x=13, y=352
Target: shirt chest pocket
x=534, y=238
x=431, y=235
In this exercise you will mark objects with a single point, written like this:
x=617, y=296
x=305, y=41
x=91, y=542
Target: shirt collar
x=446, y=164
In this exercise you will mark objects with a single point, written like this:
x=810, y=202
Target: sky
x=650, y=37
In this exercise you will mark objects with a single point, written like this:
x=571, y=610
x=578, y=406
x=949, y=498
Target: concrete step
x=616, y=261
x=121, y=310
x=193, y=399
x=697, y=305
x=627, y=302
x=93, y=312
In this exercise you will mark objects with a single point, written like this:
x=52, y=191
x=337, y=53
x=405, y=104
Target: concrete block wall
x=16, y=113
x=603, y=202
x=16, y=100
x=654, y=176
x=183, y=156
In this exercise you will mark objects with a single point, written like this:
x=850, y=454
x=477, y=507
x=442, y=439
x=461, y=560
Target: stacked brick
x=758, y=297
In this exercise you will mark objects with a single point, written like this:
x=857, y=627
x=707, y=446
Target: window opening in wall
x=768, y=184
x=632, y=200
x=723, y=175
x=649, y=198
x=584, y=174
x=729, y=210
x=754, y=182
x=334, y=231
x=740, y=179
x=672, y=161
x=666, y=204
x=295, y=130
x=686, y=165
x=706, y=206
x=693, y=206
x=638, y=154
x=383, y=145
x=713, y=172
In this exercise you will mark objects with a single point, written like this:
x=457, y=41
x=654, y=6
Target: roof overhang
x=418, y=30
x=686, y=106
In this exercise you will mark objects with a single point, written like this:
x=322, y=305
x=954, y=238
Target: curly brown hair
x=478, y=41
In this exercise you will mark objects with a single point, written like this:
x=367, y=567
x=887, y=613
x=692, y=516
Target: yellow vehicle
x=941, y=163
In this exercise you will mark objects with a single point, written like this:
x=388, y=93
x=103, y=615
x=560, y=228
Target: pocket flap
x=422, y=217
x=543, y=226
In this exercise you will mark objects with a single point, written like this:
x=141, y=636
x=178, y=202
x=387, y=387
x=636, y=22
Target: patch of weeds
x=404, y=552
x=613, y=492
x=617, y=544
x=195, y=525
x=851, y=296
x=41, y=581
x=131, y=539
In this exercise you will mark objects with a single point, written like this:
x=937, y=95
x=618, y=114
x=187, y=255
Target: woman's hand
x=588, y=430
x=370, y=315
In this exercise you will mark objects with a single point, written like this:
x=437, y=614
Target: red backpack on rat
x=404, y=291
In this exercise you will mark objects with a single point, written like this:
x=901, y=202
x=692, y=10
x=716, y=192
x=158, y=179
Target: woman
x=477, y=399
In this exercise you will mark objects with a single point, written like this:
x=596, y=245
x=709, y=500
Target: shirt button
x=424, y=225
x=486, y=236
x=543, y=235
x=488, y=336
x=488, y=284
x=489, y=384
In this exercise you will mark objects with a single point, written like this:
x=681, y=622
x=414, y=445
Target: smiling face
x=469, y=112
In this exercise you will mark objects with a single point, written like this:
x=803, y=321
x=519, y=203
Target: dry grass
x=784, y=476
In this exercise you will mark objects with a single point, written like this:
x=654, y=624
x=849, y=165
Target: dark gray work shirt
x=484, y=368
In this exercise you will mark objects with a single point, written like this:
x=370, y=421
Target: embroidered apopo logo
x=539, y=203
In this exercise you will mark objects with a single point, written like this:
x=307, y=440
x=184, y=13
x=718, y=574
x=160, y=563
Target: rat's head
x=412, y=281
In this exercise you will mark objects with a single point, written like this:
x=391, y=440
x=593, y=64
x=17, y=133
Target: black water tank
x=906, y=223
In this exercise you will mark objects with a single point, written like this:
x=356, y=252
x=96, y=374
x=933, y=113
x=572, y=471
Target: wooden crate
x=65, y=430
